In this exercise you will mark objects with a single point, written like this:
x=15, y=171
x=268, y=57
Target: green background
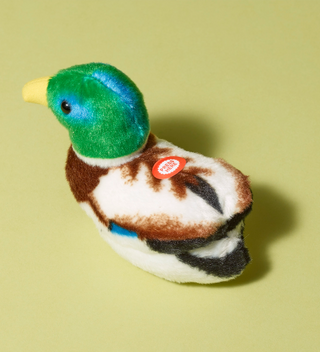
x=233, y=79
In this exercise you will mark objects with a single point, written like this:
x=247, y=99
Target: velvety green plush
x=107, y=117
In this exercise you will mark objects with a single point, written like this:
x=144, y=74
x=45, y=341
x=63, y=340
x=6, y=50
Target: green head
x=100, y=106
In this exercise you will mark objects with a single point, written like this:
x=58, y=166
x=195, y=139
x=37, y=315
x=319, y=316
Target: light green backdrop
x=234, y=79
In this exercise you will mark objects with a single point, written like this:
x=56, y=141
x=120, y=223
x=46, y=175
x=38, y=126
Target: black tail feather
x=230, y=265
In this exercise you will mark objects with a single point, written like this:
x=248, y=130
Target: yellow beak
x=36, y=91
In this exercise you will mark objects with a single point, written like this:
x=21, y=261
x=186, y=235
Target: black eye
x=66, y=107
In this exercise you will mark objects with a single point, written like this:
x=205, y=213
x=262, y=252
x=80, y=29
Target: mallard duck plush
x=176, y=214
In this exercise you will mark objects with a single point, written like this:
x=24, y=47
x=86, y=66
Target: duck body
x=183, y=228
x=187, y=228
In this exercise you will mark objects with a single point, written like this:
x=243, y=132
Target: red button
x=168, y=167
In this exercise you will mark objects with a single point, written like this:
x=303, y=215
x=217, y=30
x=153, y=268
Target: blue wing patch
x=117, y=230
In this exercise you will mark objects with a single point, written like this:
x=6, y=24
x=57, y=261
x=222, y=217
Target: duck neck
x=107, y=163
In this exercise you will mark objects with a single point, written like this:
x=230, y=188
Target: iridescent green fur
x=108, y=118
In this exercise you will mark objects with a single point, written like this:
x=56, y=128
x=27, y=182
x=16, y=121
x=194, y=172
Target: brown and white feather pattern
x=129, y=196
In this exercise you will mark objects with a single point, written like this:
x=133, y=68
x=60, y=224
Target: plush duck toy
x=176, y=214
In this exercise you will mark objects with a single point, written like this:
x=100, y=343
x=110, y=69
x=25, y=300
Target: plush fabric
x=185, y=228
x=197, y=219
x=108, y=118
x=169, y=266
